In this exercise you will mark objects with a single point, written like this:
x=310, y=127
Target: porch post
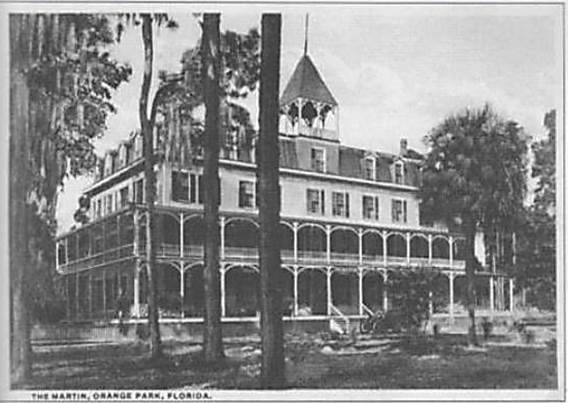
x=511, y=295
x=295, y=232
x=295, y=273
x=182, y=288
x=223, y=308
x=57, y=255
x=222, y=227
x=328, y=283
x=408, y=247
x=491, y=294
x=360, y=273
x=328, y=242
x=136, y=288
x=451, y=284
x=385, y=294
x=429, y=248
x=385, y=248
x=451, y=242
x=360, y=235
x=181, y=231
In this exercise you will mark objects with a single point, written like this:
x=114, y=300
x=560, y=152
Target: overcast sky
x=395, y=70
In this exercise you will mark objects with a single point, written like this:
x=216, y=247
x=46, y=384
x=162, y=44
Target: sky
x=395, y=70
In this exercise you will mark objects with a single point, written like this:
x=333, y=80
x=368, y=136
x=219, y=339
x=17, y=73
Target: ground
x=312, y=362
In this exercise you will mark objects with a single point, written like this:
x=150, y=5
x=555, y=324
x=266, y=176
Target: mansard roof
x=307, y=83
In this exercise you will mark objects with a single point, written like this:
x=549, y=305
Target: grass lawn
x=400, y=364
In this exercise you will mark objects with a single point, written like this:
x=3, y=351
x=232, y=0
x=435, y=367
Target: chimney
x=403, y=147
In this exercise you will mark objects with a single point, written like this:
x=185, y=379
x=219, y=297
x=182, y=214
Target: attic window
x=399, y=172
x=369, y=171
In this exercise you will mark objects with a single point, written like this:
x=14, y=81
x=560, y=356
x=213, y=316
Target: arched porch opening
x=126, y=228
x=167, y=229
x=418, y=247
x=312, y=242
x=169, y=297
x=193, y=236
x=373, y=290
x=460, y=294
x=193, y=297
x=372, y=246
x=440, y=293
x=344, y=244
x=396, y=245
x=345, y=291
x=241, y=237
x=459, y=249
x=312, y=292
x=242, y=291
x=286, y=241
x=440, y=248
x=286, y=282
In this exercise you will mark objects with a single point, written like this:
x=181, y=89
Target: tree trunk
x=149, y=188
x=20, y=141
x=271, y=281
x=212, y=332
x=470, y=266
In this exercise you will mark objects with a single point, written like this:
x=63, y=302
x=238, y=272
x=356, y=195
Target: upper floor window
x=371, y=207
x=247, y=194
x=109, y=205
x=318, y=159
x=124, y=196
x=399, y=172
x=315, y=199
x=128, y=153
x=369, y=168
x=195, y=188
x=340, y=204
x=180, y=186
x=99, y=208
x=139, y=191
x=399, y=210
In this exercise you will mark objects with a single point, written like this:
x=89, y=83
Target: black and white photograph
x=283, y=201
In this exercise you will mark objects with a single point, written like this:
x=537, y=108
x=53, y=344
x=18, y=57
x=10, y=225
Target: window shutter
x=393, y=210
x=256, y=198
x=192, y=189
x=376, y=207
x=404, y=211
x=322, y=202
x=308, y=200
x=241, y=194
x=200, y=189
x=346, y=204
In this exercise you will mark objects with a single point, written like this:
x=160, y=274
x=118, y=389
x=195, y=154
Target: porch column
x=360, y=273
x=136, y=288
x=408, y=247
x=511, y=295
x=328, y=242
x=385, y=294
x=57, y=254
x=451, y=284
x=222, y=227
x=360, y=235
x=328, y=284
x=385, y=248
x=223, y=308
x=451, y=242
x=429, y=248
x=181, y=287
x=491, y=294
x=295, y=232
x=295, y=274
x=181, y=231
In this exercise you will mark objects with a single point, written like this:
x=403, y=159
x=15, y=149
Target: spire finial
x=306, y=35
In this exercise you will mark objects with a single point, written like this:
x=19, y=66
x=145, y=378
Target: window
x=124, y=197
x=315, y=201
x=399, y=172
x=340, y=204
x=318, y=159
x=109, y=205
x=180, y=186
x=195, y=188
x=139, y=191
x=399, y=211
x=246, y=194
x=369, y=168
x=99, y=209
x=371, y=207
x=128, y=153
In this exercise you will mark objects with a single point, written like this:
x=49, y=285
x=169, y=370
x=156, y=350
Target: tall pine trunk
x=20, y=259
x=149, y=188
x=470, y=266
x=271, y=281
x=212, y=332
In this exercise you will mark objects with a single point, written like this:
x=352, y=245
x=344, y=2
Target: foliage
x=410, y=298
x=537, y=241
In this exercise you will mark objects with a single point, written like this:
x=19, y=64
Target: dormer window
x=318, y=159
x=369, y=170
x=399, y=172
